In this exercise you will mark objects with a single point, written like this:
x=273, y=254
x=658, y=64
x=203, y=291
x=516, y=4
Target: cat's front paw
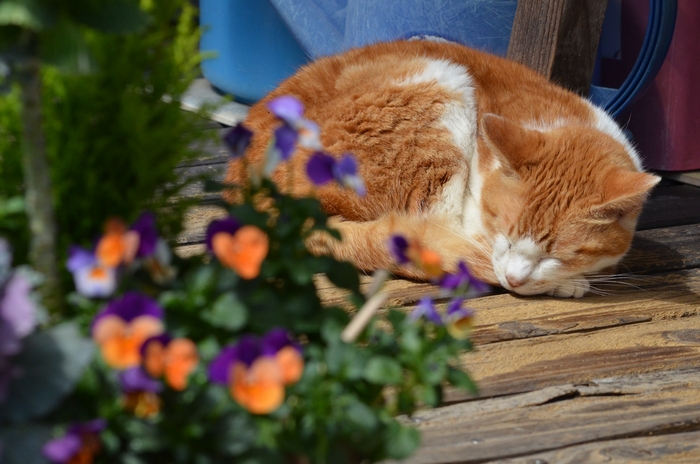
x=571, y=288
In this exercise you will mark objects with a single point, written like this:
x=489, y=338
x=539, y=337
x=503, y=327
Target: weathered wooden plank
x=525, y=346
x=198, y=219
x=212, y=151
x=663, y=250
x=687, y=177
x=559, y=39
x=562, y=416
x=671, y=448
x=671, y=206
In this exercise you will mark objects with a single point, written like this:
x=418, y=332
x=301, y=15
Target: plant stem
x=37, y=179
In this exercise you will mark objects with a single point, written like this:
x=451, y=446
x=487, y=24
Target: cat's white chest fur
x=461, y=196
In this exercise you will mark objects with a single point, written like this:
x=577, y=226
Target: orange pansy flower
x=120, y=342
x=258, y=388
x=175, y=360
x=243, y=251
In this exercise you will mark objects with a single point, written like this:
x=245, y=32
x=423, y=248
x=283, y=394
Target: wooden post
x=559, y=39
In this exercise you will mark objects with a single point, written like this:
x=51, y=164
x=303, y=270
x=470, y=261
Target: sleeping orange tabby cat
x=475, y=156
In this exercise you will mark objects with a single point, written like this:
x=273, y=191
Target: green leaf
x=401, y=441
x=22, y=444
x=227, y=312
x=383, y=370
x=361, y=415
x=344, y=275
x=29, y=14
x=115, y=16
x=63, y=46
x=51, y=363
x=411, y=341
x=461, y=379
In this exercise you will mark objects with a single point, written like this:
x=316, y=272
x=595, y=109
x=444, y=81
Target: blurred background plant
x=90, y=123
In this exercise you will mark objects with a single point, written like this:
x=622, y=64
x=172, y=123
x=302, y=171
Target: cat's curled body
x=477, y=157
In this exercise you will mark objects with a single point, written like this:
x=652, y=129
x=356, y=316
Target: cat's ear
x=512, y=144
x=624, y=193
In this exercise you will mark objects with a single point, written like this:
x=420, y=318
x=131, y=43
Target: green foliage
x=114, y=136
x=52, y=362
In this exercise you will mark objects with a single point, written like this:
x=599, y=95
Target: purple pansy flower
x=135, y=380
x=275, y=340
x=145, y=227
x=426, y=309
x=463, y=280
x=91, y=279
x=287, y=108
x=285, y=141
x=398, y=247
x=228, y=224
x=130, y=306
x=77, y=437
x=238, y=139
x=246, y=351
x=17, y=313
x=219, y=368
x=460, y=321
x=322, y=168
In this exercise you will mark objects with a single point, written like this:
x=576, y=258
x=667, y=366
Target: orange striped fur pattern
x=477, y=157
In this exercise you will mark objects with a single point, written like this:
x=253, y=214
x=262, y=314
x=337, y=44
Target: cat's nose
x=514, y=281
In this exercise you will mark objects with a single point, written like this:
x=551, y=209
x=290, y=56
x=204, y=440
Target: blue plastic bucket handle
x=657, y=40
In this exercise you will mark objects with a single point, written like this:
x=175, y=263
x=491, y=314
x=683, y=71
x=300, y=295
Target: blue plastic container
x=254, y=49
x=260, y=42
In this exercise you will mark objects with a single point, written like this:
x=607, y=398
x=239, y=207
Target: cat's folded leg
x=366, y=245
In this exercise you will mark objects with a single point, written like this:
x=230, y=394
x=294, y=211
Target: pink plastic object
x=665, y=120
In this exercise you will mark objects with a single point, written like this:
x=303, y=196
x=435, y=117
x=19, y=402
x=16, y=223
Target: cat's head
x=562, y=203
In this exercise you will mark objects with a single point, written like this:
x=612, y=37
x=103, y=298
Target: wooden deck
x=613, y=378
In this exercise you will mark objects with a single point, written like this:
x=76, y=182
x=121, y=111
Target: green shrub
x=114, y=135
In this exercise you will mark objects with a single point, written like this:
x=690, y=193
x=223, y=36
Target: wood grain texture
x=672, y=448
x=558, y=39
x=671, y=206
x=561, y=416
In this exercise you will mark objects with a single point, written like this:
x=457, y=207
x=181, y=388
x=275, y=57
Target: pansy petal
x=220, y=366
x=90, y=427
x=181, y=360
x=62, y=450
x=79, y=258
x=145, y=227
x=95, y=281
x=460, y=323
x=130, y=306
x=107, y=327
x=287, y=108
x=347, y=166
x=110, y=250
x=291, y=364
x=285, y=141
x=153, y=357
x=398, y=246
x=136, y=380
x=320, y=168
x=258, y=398
x=228, y=224
x=309, y=134
x=238, y=139
x=243, y=252
x=146, y=326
